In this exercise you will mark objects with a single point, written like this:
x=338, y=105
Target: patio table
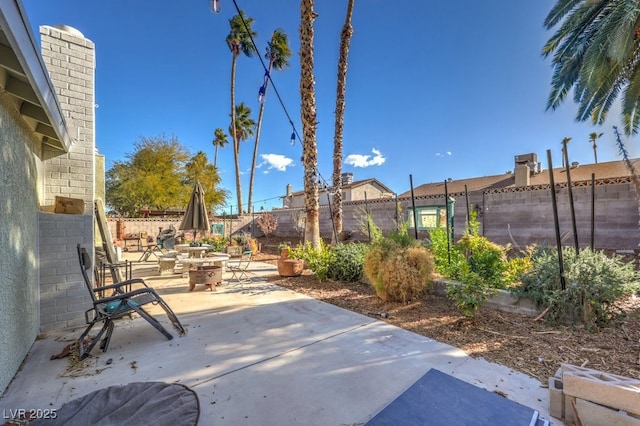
x=193, y=251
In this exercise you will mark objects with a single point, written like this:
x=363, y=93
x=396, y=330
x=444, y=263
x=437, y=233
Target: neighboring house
x=47, y=149
x=351, y=191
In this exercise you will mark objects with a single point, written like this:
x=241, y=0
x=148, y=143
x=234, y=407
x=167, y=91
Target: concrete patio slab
x=258, y=354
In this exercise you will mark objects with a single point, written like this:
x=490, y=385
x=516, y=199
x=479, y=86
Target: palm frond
x=559, y=11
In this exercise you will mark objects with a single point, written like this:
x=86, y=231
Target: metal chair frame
x=239, y=268
x=123, y=300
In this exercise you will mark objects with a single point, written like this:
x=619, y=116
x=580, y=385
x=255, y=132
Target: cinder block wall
x=70, y=59
x=63, y=295
x=529, y=216
x=525, y=217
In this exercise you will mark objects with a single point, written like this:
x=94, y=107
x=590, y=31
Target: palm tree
x=278, y=54
x=219, y=141
x=243, y=130
x=345, y=40
x=592, y=138
x=308, y=116
x=239, y=41
x=595, y=51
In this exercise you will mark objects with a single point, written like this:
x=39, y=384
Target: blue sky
x=435, y=89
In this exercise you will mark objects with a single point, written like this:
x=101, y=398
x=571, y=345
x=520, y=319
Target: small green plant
x=284, y=245
x=470, y=293
x=219, y=243
x=368, y=227
x=317, y=260
x=484, y=258
x=594, y=282
x=479, y=265
x=347, y=262
x=447, y=256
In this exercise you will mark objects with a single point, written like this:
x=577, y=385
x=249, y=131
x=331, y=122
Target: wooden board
x=107, y=240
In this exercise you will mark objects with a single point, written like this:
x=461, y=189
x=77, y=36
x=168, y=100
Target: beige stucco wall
x=19, y=275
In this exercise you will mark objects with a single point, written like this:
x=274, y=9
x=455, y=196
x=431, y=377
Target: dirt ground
x=513, y=340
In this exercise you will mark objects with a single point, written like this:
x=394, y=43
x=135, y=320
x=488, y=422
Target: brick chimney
x=523, y=175
x=70, y=60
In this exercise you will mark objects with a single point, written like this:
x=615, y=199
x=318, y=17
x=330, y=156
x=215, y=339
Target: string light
x=214, y=5
x=293, y=138
x=262, y=93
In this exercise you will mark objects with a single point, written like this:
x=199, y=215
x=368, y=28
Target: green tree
x=278, y=54
x=595, y=51
x=159, y=174
x=198, y=169
x=243, y=131
x=244, y=124
x=308, y=116
x=345, y=41
x=219, y=141
x=151, y=176
x=239, y=41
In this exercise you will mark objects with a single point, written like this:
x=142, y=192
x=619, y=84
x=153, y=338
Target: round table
x=194, y=251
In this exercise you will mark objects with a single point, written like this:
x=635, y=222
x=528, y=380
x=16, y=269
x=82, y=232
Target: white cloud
x=446, y=154
x=276, y=161
x=361, y=160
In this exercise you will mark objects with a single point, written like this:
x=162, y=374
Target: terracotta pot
x=284, y=253
x=290, y=267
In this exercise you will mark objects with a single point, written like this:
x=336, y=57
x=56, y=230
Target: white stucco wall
x=19, y=270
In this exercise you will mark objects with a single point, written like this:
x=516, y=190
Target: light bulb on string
x=214, y=5
x=261, y=94
x=293, y=138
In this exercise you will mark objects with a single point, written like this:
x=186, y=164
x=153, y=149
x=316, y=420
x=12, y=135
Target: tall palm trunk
x=255, y=145
x=345, y=40
x=308, y=115
x=215, y=156
x=234, y=133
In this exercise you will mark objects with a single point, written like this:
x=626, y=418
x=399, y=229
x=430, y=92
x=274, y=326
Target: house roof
x=24, y=78
x=607, y=170
x=356, y=184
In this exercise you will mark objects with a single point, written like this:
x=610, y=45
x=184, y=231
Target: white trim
x=14, y=23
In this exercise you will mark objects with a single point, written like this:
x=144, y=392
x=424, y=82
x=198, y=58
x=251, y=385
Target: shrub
x=448, y=260
x=267, y=223
x=593, y=281
x=318, y=260
x=479, y=265
x=219, y=243
x=398, y=268
x=347, y=262
x=484, y=258
x=470, y=293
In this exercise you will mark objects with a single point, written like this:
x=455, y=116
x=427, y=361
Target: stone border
x=503, y=300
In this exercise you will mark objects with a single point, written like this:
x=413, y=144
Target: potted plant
x=285, y=249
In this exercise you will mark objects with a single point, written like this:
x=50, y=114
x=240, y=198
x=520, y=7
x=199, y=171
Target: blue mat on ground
x=438, y=399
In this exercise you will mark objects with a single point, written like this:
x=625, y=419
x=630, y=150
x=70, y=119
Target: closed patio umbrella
x=196, y=217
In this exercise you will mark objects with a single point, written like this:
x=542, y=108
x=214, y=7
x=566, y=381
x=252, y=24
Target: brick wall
x=70, y=61
x=63, y=295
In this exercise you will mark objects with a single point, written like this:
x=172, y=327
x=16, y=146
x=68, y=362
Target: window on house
x=428, y=217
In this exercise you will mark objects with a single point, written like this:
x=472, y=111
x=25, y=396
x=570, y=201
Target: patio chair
x=152, y=249
x=238, y=268
x=116, y=300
